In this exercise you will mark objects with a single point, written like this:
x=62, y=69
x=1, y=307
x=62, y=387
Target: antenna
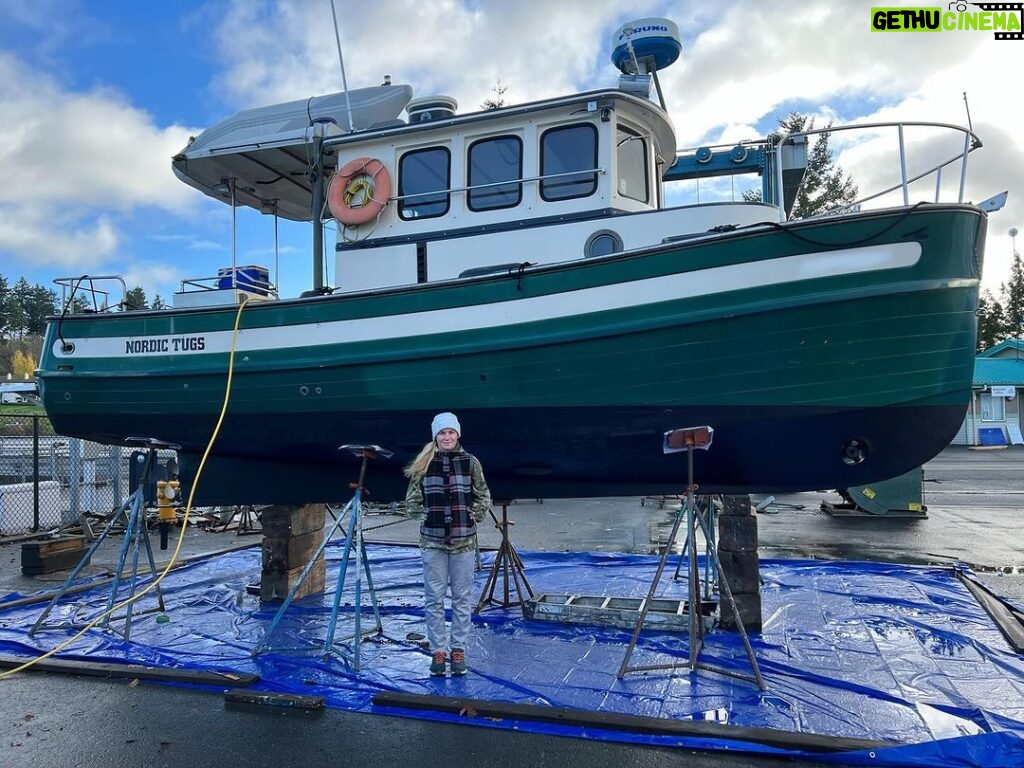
x=1013, y=245
x=966, y=106
x=628, y=32
x=341, y=60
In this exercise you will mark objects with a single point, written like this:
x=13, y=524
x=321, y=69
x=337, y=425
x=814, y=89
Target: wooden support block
x=284, y=520
x=737, y=533
x=289, y=700
x=275, y=585
x=749, y=606
x=291, y=536
x=735, y=505
x=742, y=570
x=284, y=553
x=39, y=557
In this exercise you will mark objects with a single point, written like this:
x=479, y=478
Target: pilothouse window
x=424, y=180
x=631, y=161
x=568, y=162
x=495, y=170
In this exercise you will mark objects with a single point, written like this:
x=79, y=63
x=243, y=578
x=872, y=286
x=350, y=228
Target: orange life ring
x=359, y=191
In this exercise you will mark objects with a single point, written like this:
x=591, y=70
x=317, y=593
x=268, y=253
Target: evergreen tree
x=80, y=304
x=1013, y=299
x=135, y=298
x=42, y=303
x=5, y=307
x=19, y=300
x=825, y=185
x=158, y=302
x=498, y=100
x=991, y=322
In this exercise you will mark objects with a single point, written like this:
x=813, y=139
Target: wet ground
x=975, y=502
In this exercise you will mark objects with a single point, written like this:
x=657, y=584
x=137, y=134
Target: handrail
x=212, y=283
x=971, y=143
x=75, y=285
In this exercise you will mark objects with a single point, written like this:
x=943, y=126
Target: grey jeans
x=442, y=569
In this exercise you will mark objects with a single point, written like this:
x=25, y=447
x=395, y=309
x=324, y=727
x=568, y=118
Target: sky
x=96, y=96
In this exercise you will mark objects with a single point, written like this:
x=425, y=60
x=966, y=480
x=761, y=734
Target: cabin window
x=568, y=162
x=495, y=170
x=631, y=162
x=424, y=182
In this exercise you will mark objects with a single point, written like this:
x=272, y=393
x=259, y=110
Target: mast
x=315, y=173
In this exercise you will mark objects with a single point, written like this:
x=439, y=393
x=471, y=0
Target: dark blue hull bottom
x=551, y=453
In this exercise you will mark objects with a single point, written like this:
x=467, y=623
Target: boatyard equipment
x=168, y=493
x=136, y=535
x=689, y=439
x=705, y=506
x=353, y=543
x=505, y=560
x=898, y=497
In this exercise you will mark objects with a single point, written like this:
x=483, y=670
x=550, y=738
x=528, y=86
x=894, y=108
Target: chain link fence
x=48, y=481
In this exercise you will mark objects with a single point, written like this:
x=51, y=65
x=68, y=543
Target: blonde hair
x=417, y=468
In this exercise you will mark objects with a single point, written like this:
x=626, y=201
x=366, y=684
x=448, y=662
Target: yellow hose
x=184, y=523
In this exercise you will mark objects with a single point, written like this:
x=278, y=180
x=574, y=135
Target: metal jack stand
x=135, y=535
x=506, y=559
x=707, y=503
x=687, y=440
x=353, y=543
x=248, y=521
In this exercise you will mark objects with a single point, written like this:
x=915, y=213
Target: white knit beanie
x=445, y=421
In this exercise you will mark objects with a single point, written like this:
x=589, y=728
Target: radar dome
x=645, y=45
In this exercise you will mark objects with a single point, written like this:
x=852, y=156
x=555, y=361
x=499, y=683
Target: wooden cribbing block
x=51, y=555
x=291, y=536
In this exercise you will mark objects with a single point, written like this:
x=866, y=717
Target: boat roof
x=267, y=150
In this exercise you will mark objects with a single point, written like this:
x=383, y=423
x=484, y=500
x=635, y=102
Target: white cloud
x=74, y=165
x=149, y=274
x=287, y=50
x=79, y=168
x=72, y=245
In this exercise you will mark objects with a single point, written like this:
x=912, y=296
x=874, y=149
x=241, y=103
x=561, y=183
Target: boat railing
x=84, y=293
x=966, y=143
x=228, y=286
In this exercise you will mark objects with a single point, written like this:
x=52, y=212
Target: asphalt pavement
x=975, y=515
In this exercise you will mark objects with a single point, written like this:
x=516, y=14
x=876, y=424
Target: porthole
x=604, y=242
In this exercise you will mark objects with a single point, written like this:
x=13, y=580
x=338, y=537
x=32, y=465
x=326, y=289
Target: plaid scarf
x=447, y=496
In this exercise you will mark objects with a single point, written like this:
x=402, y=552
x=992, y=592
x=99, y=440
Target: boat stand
x=136, y=536
x=687, y=440
x=354, y=543
x=506, y=560
x=705, y=508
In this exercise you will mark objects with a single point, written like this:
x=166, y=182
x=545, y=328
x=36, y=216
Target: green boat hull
x=815, y=370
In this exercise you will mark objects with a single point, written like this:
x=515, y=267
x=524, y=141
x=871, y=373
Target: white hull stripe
x=786, y=269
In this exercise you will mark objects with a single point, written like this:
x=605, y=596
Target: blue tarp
x=894, y=653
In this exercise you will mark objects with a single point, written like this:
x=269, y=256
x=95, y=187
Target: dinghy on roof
x=265, y=149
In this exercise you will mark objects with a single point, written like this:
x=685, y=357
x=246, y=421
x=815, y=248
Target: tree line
x=24, y=307
x=1002, y=317
x=23, y=312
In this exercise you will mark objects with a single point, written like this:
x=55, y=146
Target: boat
x=528, y=268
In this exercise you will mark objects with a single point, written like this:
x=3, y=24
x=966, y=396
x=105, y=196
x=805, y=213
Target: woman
x=448, y=493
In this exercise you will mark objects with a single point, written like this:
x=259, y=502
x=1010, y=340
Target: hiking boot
x=458, y=661
x=437, y=662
